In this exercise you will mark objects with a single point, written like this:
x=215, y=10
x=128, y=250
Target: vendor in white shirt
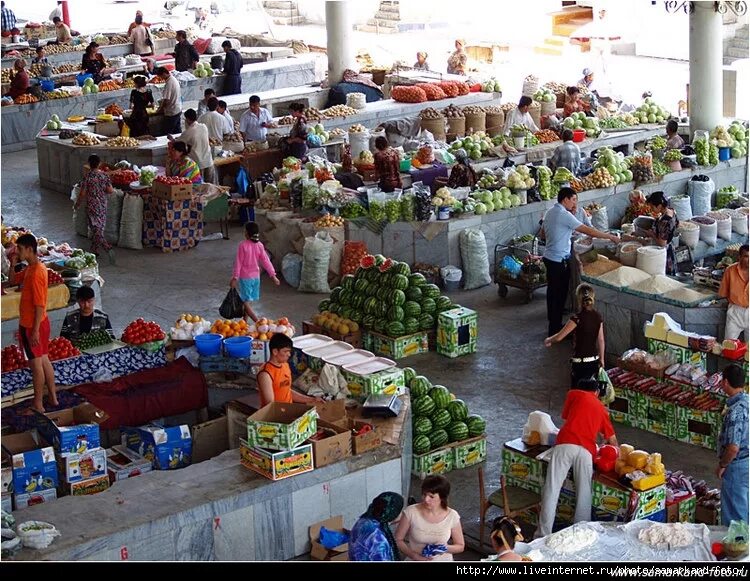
x=256, y=121
x=221, y=108
x=213, y=120
x=520, y=116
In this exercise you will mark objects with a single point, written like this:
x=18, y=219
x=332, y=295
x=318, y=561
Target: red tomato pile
x=139, y=332
x=175, y=181
x=61, y=348
x=123, y=177
x=13, y=358
x=53, y=278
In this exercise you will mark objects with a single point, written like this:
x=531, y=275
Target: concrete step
x=556, y=41
x=549, y=50
x=571, y=13
x=392, y=16
x=384, y=7
x=290, y=21
x=280, y=5
x=384, y=23
x=376, y=29
x=565, y=29
x=282, y=12
x=740, y=53
x=739, y=42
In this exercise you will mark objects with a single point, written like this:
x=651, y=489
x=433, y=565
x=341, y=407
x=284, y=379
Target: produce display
x=338, y=111
x=335, y=323
x=61, y=348
x=171, y=181
x=263, y=330
x=75, y=118
x=94, y=339
x=488, y=180
x=121, y=141
x=703, y=394
x=520, y=178
x=544, y=177
x=601, y=178
x=329, y=221
x=353, y=210
x=147, y=176
x=544, y=96
x=451, y=111
x=491, y=86
x=443, y=198
x=657, y=143
x=673, y=155
x=53, y=278
x=139, y=332
x=358, y=128
x=650, y=112
x=425, y=155
x=407, y=94
x=13, y=358
x=123, y=177
x=476, y=145
x=203, y=70
x=68, y=134
x=642, y=168
x=433, y=92
x=312, y=114
x=579, y=120
x=25, y=99
x=114, y=109
x=546, y=136
x=726, y=195
x=615, y=165
x=86, y=138
x=188, y=327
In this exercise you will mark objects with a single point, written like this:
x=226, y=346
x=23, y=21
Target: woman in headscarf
x=462, y=174
x=457, y=61
x=665, y=226
x=421, y=64
x=371, y=538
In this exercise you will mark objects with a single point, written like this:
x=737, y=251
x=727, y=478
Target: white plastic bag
x=114, y=213
x=541, y=423
x=599, y=219
x=291, y=269
x=476, y=264
x=104, y=375
x=331, y=384
x=700, y=196
x=682, y=208
x=131, y=223
x=316, y=256
x=37, y=534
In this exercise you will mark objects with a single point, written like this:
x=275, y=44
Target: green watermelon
x=395, y=329
x=347, y=282
x=346, y=311
x=359, y=274
x=358, y=301
x=458, y=431
x=417, y=279
x=346, y=297
x=422, y=425
x=323, y=305
x=371, y=306
x=441, y=396
x=396, y=297
x=373, y=275
x=476, y=425
x=419, y=386
x=360, y=286
x=399, y=281
x=395, y=313
x=431, y=291
x=385, y=279
x=379, y=259
x=334, y=308
x=426, y=322
x=411, y=325
x=412, y=309
x=443, y=303
x=401, y=268
x=440, y=419
x=383, y=293
x=438, y=438
x=414, y=293
x=458, y=409
x=335, y=293
x=421, y=444
x=409, y=374
x=368, y=321
x=379, y=326
x=423, y=406
x=382, y=310
x=428, y=306
x=372, y=290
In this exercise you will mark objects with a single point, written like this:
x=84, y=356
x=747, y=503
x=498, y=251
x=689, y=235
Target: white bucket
x=519, y=142
x=652, y=259
x=444, y=213
x=689, y=234
x=629, y=253
x=359, y=142
x=740, y=221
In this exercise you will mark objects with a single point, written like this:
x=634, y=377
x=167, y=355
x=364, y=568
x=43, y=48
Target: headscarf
x=422, y=54
x=385, y=508
x=462, y=157
x=461, y=42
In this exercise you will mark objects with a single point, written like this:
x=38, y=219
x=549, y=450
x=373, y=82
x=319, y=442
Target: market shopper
x=57, y=11
x=567, y=155
x=387, y=166
x=588, y=78
x=559, y=225
x=62, y=31
x=139, y=36
x=34, y=329
x=138, y=16
x=186, y=58
x=95, y=188
x=734, y=288
x=213, y=120
x=275, y=377
x=430, y=530
x=371, y=538
x=674, y=141
x=8, y=18
x=296, y=144
x=457, y=61
x=251, y=257
x=19, y=80
x=170, y=105
x=203, y=103
x=256, y=121
x=421, y=64
x=665, y=226
x=520, y=116
x=196, y=137
x=504, y=536
x=585, y=419
x=462, y=174
x=86, y=318
x=141, y=99
x=179, y=163
x=232, y=69
x=587, y=327
x=733, y=448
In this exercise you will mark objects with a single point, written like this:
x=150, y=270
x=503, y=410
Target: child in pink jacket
x=251, y=255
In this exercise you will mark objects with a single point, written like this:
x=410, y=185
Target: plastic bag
x=609, y=392
x=330, y=385
x=103, y=375
x=332, y=539
x=291, y=269
x=682, y=207
x=599, y=219
x=700, y=195
x=232, y=307
x=131, y=223
x=511, y=266
x=451, y=273
x=542, y=424
x=114, y=213
x=476, y=264
x=737, y=534
x=242, y=181
x=316, y=256
x=354, y=251
x=37, y=534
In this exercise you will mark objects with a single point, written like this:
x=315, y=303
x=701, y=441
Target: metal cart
x=532, y=276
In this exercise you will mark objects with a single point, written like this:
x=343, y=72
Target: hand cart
x=531, y=274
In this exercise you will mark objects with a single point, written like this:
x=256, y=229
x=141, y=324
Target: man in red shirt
x=33, y=330
x=585, y=418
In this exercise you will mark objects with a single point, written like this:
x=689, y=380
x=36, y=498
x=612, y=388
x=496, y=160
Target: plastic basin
x=208, y=344
x=579, y=135
x=725, y=154
x=81, y=78
x=238, y=346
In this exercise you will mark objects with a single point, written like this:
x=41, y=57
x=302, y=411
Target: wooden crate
x=172, y=192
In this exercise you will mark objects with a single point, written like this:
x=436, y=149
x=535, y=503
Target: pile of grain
x=657, y=285
x=600, y=266
x=624, y=276
x=686, y=295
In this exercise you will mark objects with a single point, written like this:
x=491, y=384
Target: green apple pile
x=650, y=112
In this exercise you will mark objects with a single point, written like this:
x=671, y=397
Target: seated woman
x=505, y=533
x=462, y=174
x=371, y=538
x=665, y=226
x=573, y=102
x=19, y=82
x=86, y=318
x=674, y=141
x=387, y=163
x=180, y=165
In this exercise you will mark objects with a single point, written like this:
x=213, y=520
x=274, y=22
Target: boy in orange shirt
x=33, y=330
x=275, y=377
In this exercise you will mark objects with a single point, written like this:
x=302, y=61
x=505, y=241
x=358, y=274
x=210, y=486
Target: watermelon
x=396, y=297
x=367, y=262
x=386, y=265
x=399, y=281
x=380, y=324
x=395, y=329
x=346, y=296
x=414, y=293
x=385, y=279
x=335, y=293
x=383, y=293
x=373, y=275
x=401, y=268
x=412, y=309
x=426, y=322
x=356, y=316
x=368, y=321
x=395, y=313
x=441, y=396
x=323, y=305
x=423, y=406
x=458, y=431
x=346, y=312
x=438, y=438
x=382, y=310
x=419, y=386
x=411, y=325
x=421, y=444
x=379, y=259
x=476, y=425
x=359, y=274
x=334, y=308
x=422, y=425
x=348, y=282
x=440, y=419
x=431, y=291
x=409, y=374
x=428, y=306
x=458, y=409
x=372, y=290
x=360, y=286
x=358, y=301
x=417, y=279
x=443, y=303
x=371, y=306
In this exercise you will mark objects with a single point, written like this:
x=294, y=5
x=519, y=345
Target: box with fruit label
x=396, y=347
x=469, y=452
x=282, y=426
x=438, y=461
x=166, y=448
x=387, y=382
x=457, y=332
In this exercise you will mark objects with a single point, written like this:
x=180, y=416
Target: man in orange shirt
x=585, y=418
x=734, y=288
x=275, y=377
x=33, y=330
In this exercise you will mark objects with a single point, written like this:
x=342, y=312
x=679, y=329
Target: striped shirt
x=734, y=428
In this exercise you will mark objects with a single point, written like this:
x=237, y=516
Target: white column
x=338, y=32
x=706, y=62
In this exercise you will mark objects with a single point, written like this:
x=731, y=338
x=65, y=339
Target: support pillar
x=65, y=13
x=338, y=33
x=706, y=61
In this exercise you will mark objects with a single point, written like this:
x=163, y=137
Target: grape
x=701, y=151
x=377, y=211
x=393, y=210
x=353, y=210
x=408, y=207
x=713, y=155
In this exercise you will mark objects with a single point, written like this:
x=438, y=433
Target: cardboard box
x=209, y=439
x=277, y=465
x=354, y=339
x=33, y=498
x=318, y=552
x=525, y=484
x=259, y=352
x=73, y=430
x=398, y=347
x=333, y=412
x=660, y=516
x=681, y=510
x=33, y=463
x=365, y=441
x=661, y=417
x=607, y=498
x=469, y=452
x=123, y=463
x=708, y=516
x=165, y=448
x=389, y=382
x=87, y=487
x=281, y=426
x=523, y=468
x=172, y=192
x=457, y=332
x=77, y=467
x=332, y=448
x=238, y=411
x=439, y=461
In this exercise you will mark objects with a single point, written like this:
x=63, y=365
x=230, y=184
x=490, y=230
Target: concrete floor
x=511, y=375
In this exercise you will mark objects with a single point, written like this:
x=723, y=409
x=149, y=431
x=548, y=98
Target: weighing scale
x=386, y=406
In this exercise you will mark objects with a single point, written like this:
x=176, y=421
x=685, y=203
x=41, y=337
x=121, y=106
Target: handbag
x=149, y=40
x=232, y=307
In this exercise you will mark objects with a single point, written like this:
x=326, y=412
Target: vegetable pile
x=139, y=332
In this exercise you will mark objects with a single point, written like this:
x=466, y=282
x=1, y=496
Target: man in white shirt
x=213, y=120
x=57, y=12
x=221, y=108
x=171, y=101
x=255, y=122
x=520, y=116
x=196, y=136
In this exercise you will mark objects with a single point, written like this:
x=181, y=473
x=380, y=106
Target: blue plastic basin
x=238, y=346
x=208, y=344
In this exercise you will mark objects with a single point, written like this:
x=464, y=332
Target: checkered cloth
x=172, y=225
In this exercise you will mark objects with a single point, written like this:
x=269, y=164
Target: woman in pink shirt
x=251, y=255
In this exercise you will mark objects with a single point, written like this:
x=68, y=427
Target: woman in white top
x=140, y=38
x=196, y=136
x=520, y=116
x=430, y=530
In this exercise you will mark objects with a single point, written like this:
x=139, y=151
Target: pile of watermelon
x=385, y=297
x=438, y=418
